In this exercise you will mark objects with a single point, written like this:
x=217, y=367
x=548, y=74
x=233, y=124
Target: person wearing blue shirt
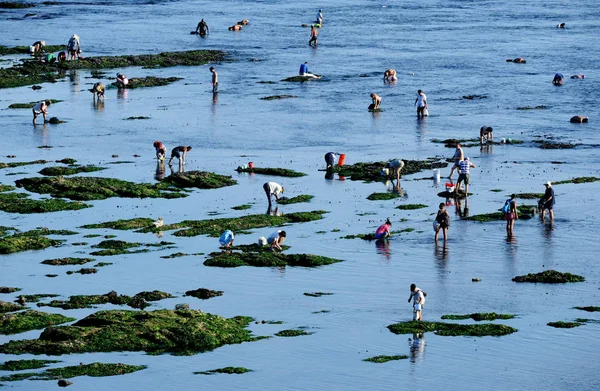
x=320, y=16
x=303, y=69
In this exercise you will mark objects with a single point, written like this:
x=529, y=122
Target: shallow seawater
x=449, y=49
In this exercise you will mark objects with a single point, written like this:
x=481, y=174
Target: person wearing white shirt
x=272, y=188
x=421, y=103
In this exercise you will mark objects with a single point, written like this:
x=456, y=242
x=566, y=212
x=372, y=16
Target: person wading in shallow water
x=510, y=214
x=418, y=298
x=313, y=36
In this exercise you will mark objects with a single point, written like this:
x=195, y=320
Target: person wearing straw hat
x=547, y=202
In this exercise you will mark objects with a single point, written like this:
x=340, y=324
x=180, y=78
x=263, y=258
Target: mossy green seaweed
x=123, y=225
x=295, y=200
x=266, y=259
x=19, y=242
x=479, y=316
x=31, y=104
x=59, y=170
x=21, y=365
x=228, y=370
x=150, y=81
x=67, y=261
x=383, y=196
x=22, y=204
x=9, y=307
x=549, y=277
x=564, y=325
x=292, y=333
x=284, y=172
x=14, y=323
x=451, y=329
x=93, y=370
x=200, y=180
x=371, y=171
x=588, y=309
x=382, y=359
x=411, y=206
x=203, y=293
x=578, y=180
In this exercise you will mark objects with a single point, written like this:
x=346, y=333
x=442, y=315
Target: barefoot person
x=313, y=36
x=547, y=202
x=272, y=188
x=384, y=230
x=375, y=101
x=395, y=167
x=161, y=150
x=226, y=239
x=215, y=80
x=276, y=239
x=41, y=108
x=304, y=70
x=458, y=157
x=510, y=214
x=98, y=91
x=319, y=16
x=73, y=47
x=122, y=80
x=442, y=222
x=37, y=47
x=390, y=75
x=463, y=175
x=486, y=133
x=421, y=103
x=418, y=298
x=330, y=159
x=202, y=28
x=179, y=153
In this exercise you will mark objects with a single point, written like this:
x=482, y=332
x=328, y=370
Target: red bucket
x=250, y=164
x=342, y=159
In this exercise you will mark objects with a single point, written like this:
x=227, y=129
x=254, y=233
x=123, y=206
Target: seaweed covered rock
x=284, y=172
x=383, y=196
x=19, y=164
x=95, y=188
x=59, y=170
x=93, y=370
x=588, y=309
x=578, y=180
x=150, y=81
x=382, y=359
x=117, y=247
x=67, y=261
x=266, y=259
x=479, y=316
x=451, y=329
x=300, y=79
x=526, y=212
x=200, y=179
x=203, y=293
x=161, y=331
x=138, y=222
x=371, y=172
x=88, y=301
x=294, y=200
x=21, y=203
x=277, y=97
x=564, y=325
x=549, y=277
x=9, y=307
x=292, y=333
x=31, y=104
x=25, y=241
x=19, y=322
x=227, y=370
x=21, y=365
x=8, y=289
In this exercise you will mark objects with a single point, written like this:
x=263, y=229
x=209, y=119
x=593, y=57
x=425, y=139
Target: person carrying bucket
x=332, y=157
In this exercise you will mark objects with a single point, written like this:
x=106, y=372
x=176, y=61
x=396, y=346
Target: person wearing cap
x=122, y=80
x=418, y=297
x=547, y=202
x=463, y=175
x=161, y=150
x=395, y=167
x=37, y=47
x=313, y=36
x=486, y=133
x=272, y=188
x=383, y=231
x=320, y=16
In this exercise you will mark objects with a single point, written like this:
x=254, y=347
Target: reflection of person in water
x=383, y=248
x=160, y=170
x=417, y=347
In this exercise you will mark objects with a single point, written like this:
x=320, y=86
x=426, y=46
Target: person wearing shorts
x=421, y=103
x=272, y=188
x=276, y=239
x=41, y=108
x=512, y=215
x=418, y=298
x=458, y=157
x=443, y=222
x=179, y=153
x=463, y=175
x=548, y=201
x=486, y=133
x=395, y=167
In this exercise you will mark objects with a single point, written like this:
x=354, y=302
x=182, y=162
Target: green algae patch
x=215, y=227
x=9, y=307
x=564, y=325
x=19, y=164
x=36, y=297
x=122, y=225
x=411, y=206
x=371, y=172
x=200, y=180
x=295, y=200
x=530, y=196
x=479, y=316
x=5, y=50
x=588, y=309
x=23, y=242
x=284, y=172
x=526, y=212
x=242, y=207
x=94, y=188
x=5, y=188
x=88, y=301
x=578, y=180
x=292, y=333
x=203, y=293
x=160, y=331
x=8, y=289
x=383, y=196
x=102, y=264
x=317, y=294
x=371, y=236
x=266, y=259
x=179, y=255
x=299, y=79
x=58, y=170
x=85, y=270
x=549, y=277
x=67, y=261
x=540, y=107
x=21, y=203
x=92, y=370
x=451, y=329
x=544, y=144
x=150, y=81
x=118, y=247
x=382, y=359
x=228, y=370
x=21, y=365
x=20, y=322
x=138, y=117
x=31, y=104
x=276, y=97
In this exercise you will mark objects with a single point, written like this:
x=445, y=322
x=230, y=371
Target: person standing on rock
x=313, y=36
x=226, y=239
x=547, y=202
x=179, y=153
x=418, y=297
x=375, y=101
x=463, y=175
x=458, y=157
x=215, y=80
x=421, y=103
x=272, y=188
x=41, y=108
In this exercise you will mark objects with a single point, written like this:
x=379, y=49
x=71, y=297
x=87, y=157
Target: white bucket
x=436, y=174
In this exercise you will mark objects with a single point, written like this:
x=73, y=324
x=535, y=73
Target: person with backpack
x=510, y=214
x=418, y=297
x=443, y=222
